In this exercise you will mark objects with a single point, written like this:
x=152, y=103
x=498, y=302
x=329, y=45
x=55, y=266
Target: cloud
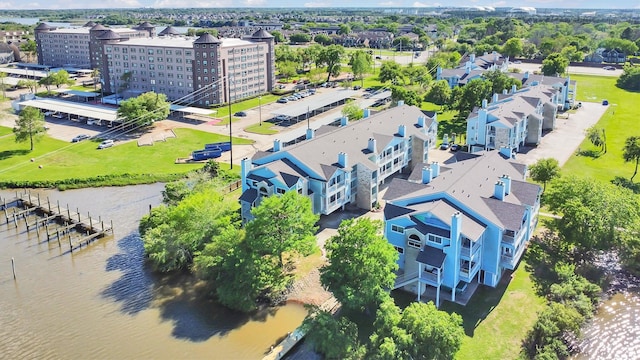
x=387, y=3
x=252, y=3
x=318, y=4
x=192, y=4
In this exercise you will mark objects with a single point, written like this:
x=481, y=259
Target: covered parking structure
x=80, y=96
x=190, y=112
x=74, y=111
x=25, y=73
x=312, y=105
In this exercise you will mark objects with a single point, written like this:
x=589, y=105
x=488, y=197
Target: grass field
x=223, y=112
x=619, y=122
x=265, y=128
x=63, y=160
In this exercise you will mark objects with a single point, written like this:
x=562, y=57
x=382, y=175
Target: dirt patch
x=308, y=290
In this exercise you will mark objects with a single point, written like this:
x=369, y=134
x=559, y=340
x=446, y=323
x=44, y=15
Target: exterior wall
x=367, y=185
x=57, y=48
x=164, y=70
x=248, y=67
x=549, y=113
x=534, y=133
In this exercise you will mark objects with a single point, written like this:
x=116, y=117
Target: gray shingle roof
x=261, y=34
x=109, y=35
x=431, y=256
x=469, y=182
x=392, y=211
x=207, y=38
x=169, y=30
x=98, y=27
x=250, y=195
x=43, y=26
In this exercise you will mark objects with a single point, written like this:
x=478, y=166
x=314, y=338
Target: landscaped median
x=222, y=112
x=68, y=165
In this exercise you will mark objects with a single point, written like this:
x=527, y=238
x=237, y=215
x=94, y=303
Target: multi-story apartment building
x=512, y=120
x=133, y=61
x=339, y=166
x=73, y=46
x=460, y=224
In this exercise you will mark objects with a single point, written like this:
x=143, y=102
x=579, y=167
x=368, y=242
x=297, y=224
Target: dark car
x=80, y=138
x=240, y=114
x=444, y=146
x=454, y=147
x=357, y=87
x=283, y=101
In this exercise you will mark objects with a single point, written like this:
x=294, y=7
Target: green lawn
x=264, y=129
x=222, y=113
x=63, y=160
x=89, y=88
x=619, y=122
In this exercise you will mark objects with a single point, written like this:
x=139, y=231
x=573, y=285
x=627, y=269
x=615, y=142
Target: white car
x=106, y=144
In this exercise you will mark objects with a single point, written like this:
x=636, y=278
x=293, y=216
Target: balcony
x=466, y=273
x=470, y=248
x=431, y=278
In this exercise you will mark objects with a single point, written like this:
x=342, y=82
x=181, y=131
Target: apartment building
x=76, y=47
x=460, y=224
x=345, y=165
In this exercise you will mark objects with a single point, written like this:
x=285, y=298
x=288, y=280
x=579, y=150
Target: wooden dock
x=293, y=338
x=54, y=220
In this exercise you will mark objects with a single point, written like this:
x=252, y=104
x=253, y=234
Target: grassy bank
x=62, y=161
x=222, y=112
x=619, y=122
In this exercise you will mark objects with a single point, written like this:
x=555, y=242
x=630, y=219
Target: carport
x=184, y=111
x=82, y=96
x=74, y=111
x=314, y=104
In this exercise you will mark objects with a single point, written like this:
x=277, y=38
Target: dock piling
x=13, y=267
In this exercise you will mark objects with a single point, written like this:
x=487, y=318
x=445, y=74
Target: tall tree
x=323, y=39
x=417, y=74
x=336, y=338
x=95, y=75
x=331, y=56
x=631, y=152
x=29, y=47
x=410, y=97
x=353, y=111
x=595, y=135
x=471, y=95
x=391, y=71
x=350, y=274
x=512, y=48
x=555, y=64
x=500, y=81
x=30, y=125
x=439, y=93
x=61, y=77
x=283, y=225
x=545, y=170
x=360, y=64
x=344, y=29
x=144, y=109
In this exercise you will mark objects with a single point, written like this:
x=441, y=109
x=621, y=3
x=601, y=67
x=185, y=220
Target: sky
x=81, y=4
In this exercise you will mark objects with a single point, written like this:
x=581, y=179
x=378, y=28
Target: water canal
x=103, y=303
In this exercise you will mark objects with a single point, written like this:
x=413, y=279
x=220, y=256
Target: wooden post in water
x=49, y=204
x=68, y=213
x=102, y=222
x=38, y=199
x=149, y=209
x=90, y=221
x=58, y=201
x=15, y=220
x=70, y=247
x=111, y=227
x=13, y=267
x=78, y=212
x=37, y=230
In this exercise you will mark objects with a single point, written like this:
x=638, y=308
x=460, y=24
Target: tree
x=596, y=136
x=277, y=36
x=631, y=152
x=390, y=71
x=29, y=47
x=336, y=338
x=626, y=46
x=286, y=69
x=403, y=42
x=444, y=60
x=32, y=85
x=572, y=54
x=3, y=75
x=545, y=170
x=323, y=39
x=349, y=275
x=299, y=38
x=144, y=109
x=593, y=214
x=500, y=81
x=95, y=75
x=331, y=56
x=126, y=81
x=439, y=93
x=630, y=78
x=555, y=64
x=513, y=48
x=421, y=331
x=352, y=111
x=360, y=64
x=29, y=126
x=471, y=95
x=344, y=29
x=417, y=74
x=283, y=226
x=61, y=77
x=173, y=235
x=46, y=81
x=410, y=97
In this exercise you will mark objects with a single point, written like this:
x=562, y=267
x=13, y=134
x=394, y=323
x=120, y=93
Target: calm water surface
x=101, y=302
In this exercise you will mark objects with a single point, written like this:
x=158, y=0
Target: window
x=435, y=239
x=399, y=249
x=398, y=229
x=414, y=244
x=280, y=190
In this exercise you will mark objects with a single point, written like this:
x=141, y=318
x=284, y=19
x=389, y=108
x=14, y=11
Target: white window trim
x=395, y=228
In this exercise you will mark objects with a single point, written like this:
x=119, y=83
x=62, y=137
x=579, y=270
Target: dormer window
x=263, y=191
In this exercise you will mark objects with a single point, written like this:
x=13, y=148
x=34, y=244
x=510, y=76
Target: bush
x=630, y=78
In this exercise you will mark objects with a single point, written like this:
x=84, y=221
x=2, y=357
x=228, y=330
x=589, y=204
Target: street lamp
x=260, y=108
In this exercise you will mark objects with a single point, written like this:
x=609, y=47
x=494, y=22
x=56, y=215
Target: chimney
x=484, y=103
x=499, y=190
x=277, y=146
x=496, y=56
x=343, y=160
x=495, y=98
x=526, y=75
x=467, y=69
x=427, y=174
x=421, y=121
x=505, y=92
x=309, y=133
x=344, y=121
x=402, y=130
x=506, y=179
x=439, y=73
x=400, y=102
x=245, y=167
x=506, y=151
x=472, y=58
x=366, y=113
x=372, y=146
x=514, y=88
x=435, y=169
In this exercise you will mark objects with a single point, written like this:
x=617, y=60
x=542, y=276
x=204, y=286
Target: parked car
x=240, y=114
x=106, y=144
x=283, y=100
x=444, y=146
x=357, y=87
x=454, y=147
x=369, y=89
x=609, y=68
x=80, y=138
